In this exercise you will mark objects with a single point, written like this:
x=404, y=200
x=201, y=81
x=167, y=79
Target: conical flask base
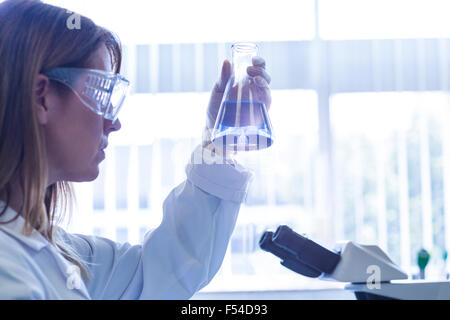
x=242, y=139
x=242, y=126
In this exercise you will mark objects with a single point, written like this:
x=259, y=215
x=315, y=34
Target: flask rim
x=244, y=47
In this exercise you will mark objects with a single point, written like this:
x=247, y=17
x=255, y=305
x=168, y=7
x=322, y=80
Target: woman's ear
x=41, y=89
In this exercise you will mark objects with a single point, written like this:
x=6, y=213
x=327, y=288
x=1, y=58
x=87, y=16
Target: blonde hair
x=34, y=38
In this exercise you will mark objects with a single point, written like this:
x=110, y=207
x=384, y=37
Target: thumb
x=224, y=76
x=217, y=94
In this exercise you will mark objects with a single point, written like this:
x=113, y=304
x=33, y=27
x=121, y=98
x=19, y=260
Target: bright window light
x=177, y=21
x=383, y=19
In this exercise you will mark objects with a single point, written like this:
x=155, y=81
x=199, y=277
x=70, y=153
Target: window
x=390, y=166
x=145, y=168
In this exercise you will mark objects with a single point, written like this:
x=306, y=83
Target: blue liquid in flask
x=243, y=126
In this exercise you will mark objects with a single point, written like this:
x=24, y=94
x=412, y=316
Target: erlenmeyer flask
x=242, y=122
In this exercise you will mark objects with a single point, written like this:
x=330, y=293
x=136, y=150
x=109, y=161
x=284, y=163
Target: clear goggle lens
x=102, y=92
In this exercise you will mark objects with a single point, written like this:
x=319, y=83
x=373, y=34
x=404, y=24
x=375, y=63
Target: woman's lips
x=102, y=154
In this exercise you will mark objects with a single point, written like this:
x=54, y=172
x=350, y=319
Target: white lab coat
x=175, y=260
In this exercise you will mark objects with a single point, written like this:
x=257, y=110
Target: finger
x=261, y=82
x=259, y=62
x=264, y=86
x=224, y=76
x=258, y=71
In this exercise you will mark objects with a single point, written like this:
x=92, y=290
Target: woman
x=55, y=120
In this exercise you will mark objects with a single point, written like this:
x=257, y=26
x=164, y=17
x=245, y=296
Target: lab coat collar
x=15, y=228
x=37, y=241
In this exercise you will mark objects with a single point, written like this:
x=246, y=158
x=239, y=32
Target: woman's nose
x=112, y=126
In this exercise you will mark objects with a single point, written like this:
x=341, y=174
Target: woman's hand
x=262, y=80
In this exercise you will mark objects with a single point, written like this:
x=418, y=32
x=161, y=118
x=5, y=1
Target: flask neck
x=242, y=54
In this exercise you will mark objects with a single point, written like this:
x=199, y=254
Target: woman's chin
x=86, y=176
x=93, y=175
x=86, y=173
x=94, y=170
x=92, y=178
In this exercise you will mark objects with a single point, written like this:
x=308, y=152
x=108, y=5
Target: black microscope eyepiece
x=298, y=252
x=289, y=260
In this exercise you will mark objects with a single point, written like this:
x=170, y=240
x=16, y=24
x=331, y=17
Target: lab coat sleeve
x=199, y=218
x=183, y=254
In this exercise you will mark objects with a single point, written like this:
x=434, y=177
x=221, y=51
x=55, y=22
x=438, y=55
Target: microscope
x=369, y=272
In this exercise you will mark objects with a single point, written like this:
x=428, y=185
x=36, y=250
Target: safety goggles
x=102, y=92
